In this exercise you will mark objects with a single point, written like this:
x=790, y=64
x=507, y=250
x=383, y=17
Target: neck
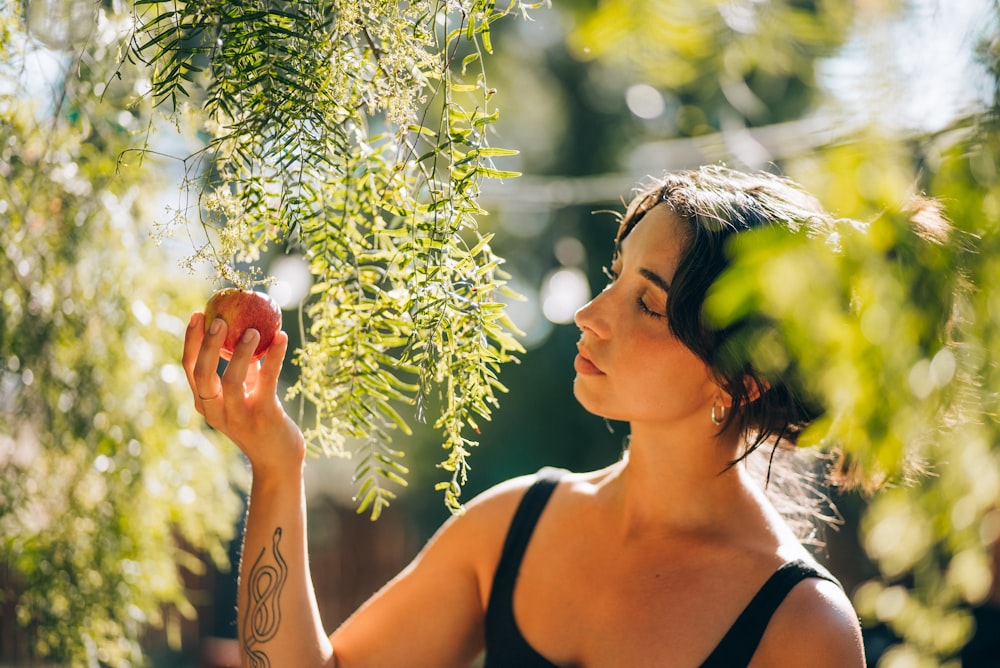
x=682, y=482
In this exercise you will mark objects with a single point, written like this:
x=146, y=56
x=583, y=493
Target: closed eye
x=643, y=308
x=648, y=311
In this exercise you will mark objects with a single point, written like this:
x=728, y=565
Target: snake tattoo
x=263, y=616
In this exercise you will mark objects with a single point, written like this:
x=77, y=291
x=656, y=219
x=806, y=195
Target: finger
x=192, y=344
x=270, y=368
x=193, y=337
x=204, y=372
x=235, y=376
x=253, y=371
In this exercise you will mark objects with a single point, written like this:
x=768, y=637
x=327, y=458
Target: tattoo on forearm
x=263, y=614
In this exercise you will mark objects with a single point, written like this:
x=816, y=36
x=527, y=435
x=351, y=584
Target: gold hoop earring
x=718, y=415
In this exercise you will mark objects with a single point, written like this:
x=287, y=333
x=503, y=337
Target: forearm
x=279, y=622
x=278, y=618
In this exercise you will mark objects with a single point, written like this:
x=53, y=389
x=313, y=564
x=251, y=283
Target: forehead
x=656, y=240
x=641, y=206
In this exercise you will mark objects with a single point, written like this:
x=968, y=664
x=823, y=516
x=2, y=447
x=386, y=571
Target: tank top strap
x=504, y=644
x=737, y=647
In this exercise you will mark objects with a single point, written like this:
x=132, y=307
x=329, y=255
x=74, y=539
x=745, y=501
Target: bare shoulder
x=435, y=606
x=495, y=507
x=816, y=626
x=478, y=532
x=492, y=509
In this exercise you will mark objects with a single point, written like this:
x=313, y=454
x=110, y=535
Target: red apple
x=243, y=310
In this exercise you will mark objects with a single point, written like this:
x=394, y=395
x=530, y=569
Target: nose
x=590, y=317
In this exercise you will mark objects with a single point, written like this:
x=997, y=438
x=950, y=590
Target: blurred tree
x=726, y=64
x=310, y=113
x=108, y=484
x=931, y=395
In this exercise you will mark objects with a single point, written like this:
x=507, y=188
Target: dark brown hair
x=716, y=203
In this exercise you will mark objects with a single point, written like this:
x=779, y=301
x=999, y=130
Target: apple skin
x=243, y=310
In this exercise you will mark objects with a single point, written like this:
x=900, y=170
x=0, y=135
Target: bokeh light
x=564, y=291
x=644, y=101
x=292, y=281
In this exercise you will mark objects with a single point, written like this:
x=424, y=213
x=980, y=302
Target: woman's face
x=630, y=366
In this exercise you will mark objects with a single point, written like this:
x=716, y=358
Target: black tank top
x=507, y=648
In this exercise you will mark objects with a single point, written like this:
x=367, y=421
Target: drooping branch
x=315, y=147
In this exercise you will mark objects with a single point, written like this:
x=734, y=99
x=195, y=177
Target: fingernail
x=250, y=335
x=216, y=326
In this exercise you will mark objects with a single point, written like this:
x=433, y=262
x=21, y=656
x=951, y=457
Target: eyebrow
x=655, y=279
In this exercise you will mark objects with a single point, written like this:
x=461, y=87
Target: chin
x=592, y=403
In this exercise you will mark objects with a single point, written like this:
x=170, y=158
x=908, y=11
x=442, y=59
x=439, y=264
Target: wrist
x=278, y=445
x=271, y=478
x=279, y=460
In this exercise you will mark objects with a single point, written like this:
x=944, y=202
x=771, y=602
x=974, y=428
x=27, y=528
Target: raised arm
x=278, y=619
x=430, y=615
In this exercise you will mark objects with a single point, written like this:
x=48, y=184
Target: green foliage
x=355, y=133
x=858, y=310
x=729, y=62
x=108, y=483
x=891, y=326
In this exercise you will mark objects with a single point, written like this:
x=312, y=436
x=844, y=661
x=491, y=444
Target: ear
x=754, y=387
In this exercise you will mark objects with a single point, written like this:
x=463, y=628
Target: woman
x=670, y=557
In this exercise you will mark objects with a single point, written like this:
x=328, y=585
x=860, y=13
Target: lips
x=584, y=365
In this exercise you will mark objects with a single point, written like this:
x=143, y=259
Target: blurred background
x=120, y=514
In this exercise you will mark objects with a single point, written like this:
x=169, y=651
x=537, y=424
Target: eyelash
x=648, y=311
x=645, y=310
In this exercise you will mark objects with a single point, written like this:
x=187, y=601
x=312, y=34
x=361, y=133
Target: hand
x=243, y=403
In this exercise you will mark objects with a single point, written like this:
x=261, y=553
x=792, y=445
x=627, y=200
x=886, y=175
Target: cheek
x=675, y=370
